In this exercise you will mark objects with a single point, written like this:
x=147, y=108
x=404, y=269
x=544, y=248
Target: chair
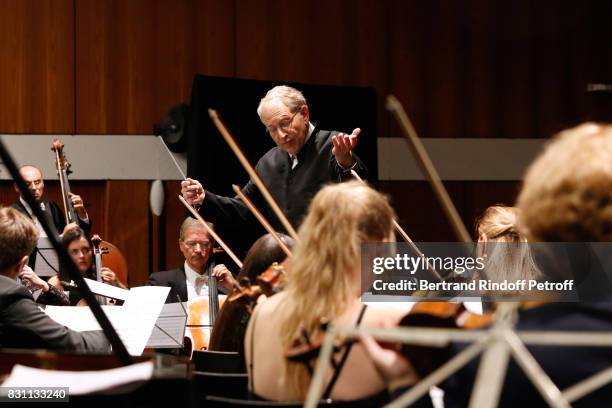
x=220, y=384
x=218, y=361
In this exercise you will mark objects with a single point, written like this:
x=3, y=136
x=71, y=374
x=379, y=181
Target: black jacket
x=293, y=189
x=24, y=325
x=175, y=279
x=54, y=215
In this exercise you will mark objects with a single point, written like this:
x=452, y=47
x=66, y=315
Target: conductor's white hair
x=290, y=97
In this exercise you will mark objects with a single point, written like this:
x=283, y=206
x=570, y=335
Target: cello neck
x=63, y=170
x=97, y=252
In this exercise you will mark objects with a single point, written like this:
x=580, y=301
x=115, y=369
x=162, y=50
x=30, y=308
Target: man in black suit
x=22, y=323
x=34, y=179
x=304, y=159
x=190, y=280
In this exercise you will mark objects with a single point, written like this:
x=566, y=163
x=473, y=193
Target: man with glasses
x=190, y=280
x=34, y=179
x=304, y=159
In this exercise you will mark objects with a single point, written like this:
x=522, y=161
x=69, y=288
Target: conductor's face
x=288, y=129
x=196, y=246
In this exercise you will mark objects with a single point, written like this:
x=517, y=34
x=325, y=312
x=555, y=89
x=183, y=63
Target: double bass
x=113, y=258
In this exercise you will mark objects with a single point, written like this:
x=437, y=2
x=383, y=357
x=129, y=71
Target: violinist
x=33, y=178
x=323, y=284
x=230, y=326
x=566, y=197
x=189, y=281
x=507, y=253
x=304, y=159
x=22, y=323
x=80, y=250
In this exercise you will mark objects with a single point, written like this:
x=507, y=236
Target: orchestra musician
x=566, y=197
x=189, y=280
x=22, y=323
x=80, y=250
x=42, y=291
x=230, y=325
x=304, y=159
x=323, y=284
x=33, y=178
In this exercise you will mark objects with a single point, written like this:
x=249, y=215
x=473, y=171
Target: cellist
x=34, y=180
x=79, y=248
x=189, y=281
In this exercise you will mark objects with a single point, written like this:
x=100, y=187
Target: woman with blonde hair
x=323, y=285
x=507, y=251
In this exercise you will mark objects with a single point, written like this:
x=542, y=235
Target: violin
x=269, y=283
x=63, y=170
x=424, y=359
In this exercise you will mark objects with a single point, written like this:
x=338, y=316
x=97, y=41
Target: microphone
x=43, y=207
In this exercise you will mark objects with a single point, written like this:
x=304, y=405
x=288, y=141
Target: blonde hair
x=18, y=237
x=323, y=274
x=288, y=96
x=508, y=255
x=567, y=192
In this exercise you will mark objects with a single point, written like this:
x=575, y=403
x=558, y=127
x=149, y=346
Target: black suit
x=174, y=279
x=55, y=216
x=291, y=188
x=24, y=325
x=565, y=365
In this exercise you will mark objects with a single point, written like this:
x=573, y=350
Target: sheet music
x=104, y=289
x=47, y=262
x=81, y=319
x=134, y=321
x=172, y=320
x=142, y=308
x=79, y=382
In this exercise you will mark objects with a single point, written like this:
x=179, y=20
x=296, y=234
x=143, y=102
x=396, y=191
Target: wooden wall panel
x=339, y=42
x=423, y=218
x=127, y=225
x=36, y=66
x=174, y=214
x=136, y=58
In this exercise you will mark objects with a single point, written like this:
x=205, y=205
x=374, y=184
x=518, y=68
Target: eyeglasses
x=203, y=244
x=283, y=124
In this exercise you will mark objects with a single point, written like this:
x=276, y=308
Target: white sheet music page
x=79, y=382
x=104, y=289
x=141, y=310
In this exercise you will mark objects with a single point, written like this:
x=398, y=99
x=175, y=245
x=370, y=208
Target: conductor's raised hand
x=192, y=191
x=343, y=148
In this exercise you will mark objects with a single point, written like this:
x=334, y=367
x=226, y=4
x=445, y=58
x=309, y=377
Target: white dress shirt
x=197, y=285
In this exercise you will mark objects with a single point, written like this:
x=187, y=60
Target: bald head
x=34, y=180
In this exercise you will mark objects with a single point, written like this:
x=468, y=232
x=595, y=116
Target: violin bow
x=211, y=231
x=197, y=215
x=262, y=220
x=405, y=236
x=252, y=173
x=426, y=165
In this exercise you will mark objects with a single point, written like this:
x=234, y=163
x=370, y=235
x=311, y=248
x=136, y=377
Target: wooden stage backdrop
x=469, y=68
